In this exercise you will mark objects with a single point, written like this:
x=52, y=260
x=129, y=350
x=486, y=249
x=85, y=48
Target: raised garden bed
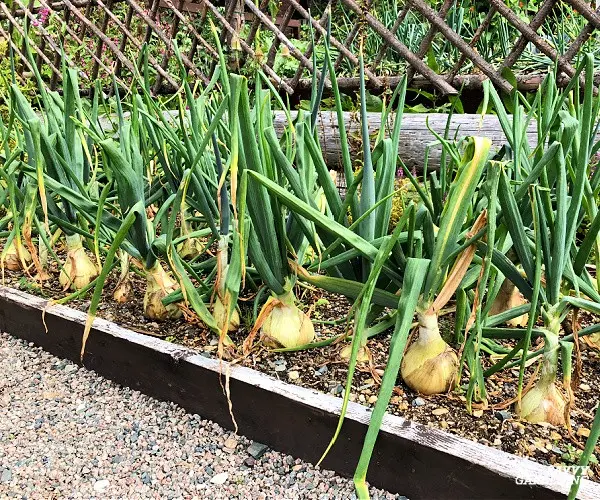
x=410, y=458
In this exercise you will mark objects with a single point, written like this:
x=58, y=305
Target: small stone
x=373, y=399
x=440, y=411
x=477, y=413
x=59, y=365
x=279, y=368
x=584, y=387
x=362, y=398
x=220, y=478
x=71, y=368
x=146, y=478
x=257, y=450
x=583, y=432
x=293, y=375
x=555, y=436
x=321, y=371
x=297, y=467
x=249, y=462
x=497, y=442
x=6, y=476
x=50, y=395
x=101, y=485
x=338, y=389
x=503, y=415
x=117, y=459
x=230, y=443
x=418, y=402
x=85, y=471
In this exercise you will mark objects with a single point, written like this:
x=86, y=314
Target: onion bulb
x=78, y=270
x=220, y=315
x=361, y=357
x=544, y=402
x=159, y=285
x=123, y=291
x=593, y=341
x=285, y=325
x=429, y=365
x=190, y=248
x=509, y=297
x=13, y=261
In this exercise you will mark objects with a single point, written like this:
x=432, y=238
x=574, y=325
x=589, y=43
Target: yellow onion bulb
x=508, y=298
x=158, y=285
x=78, y=270
x=543, y=403
x=285, y=324
x=593, y=341
x=123, y=291
x=220, y=315
x=429, y=365
x=361, y=357
x=12, y=260
x=190, y=248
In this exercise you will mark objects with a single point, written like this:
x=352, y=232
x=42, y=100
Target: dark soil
x=321, y=368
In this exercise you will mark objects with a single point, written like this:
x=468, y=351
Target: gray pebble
x=503, y=415
x=257, y=450
x=6, y=476
x=321, y=371
x=418, y=402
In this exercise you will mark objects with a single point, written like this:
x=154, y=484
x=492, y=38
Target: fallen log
x=416, y=140
x=415, y=137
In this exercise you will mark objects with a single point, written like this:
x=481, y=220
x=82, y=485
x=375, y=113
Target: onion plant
x=541, y=217
x=125, y=161
x=281, y=322
x=57, y=149
x=365, y=210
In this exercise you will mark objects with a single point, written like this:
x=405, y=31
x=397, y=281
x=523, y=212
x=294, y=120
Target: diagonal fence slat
x=110, y=35
x=402, y=49
x=428, y=38
x=456, y=40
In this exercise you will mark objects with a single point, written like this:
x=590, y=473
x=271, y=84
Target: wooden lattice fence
x=103, y=38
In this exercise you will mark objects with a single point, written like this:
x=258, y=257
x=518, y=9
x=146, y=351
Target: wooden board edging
x=410, y=458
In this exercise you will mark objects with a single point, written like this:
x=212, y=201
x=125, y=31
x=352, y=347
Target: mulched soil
x=322, y=369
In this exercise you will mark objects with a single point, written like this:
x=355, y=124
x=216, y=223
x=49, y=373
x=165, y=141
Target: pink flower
x=42, y=17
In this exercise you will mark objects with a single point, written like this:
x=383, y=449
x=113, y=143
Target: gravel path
x=66, y=432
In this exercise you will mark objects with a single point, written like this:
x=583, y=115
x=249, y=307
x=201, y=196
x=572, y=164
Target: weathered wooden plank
x=415, y=137
x=409, y=458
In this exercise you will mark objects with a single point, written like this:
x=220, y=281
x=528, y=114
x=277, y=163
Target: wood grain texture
x=409, y=458
x=415, y=136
